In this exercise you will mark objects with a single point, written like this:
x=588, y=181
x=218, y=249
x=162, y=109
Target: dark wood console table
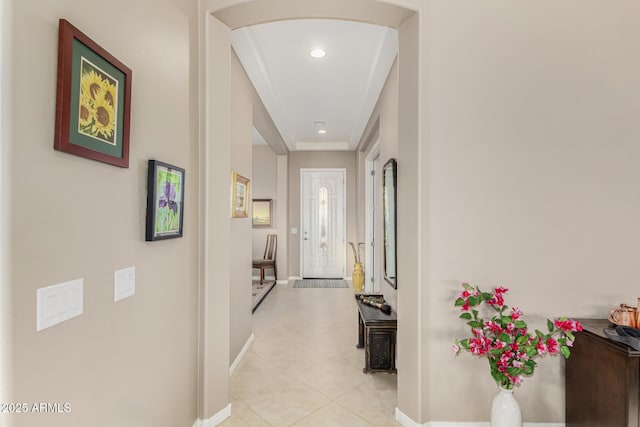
x=377, y=334
x=602, y=380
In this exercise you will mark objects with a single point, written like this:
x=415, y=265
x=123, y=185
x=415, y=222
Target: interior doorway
x=323, y=214
x=373, y=225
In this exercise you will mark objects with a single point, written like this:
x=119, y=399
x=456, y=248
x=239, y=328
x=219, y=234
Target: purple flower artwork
x=165, y=202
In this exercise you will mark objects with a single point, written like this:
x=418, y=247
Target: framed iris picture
x=165, y=201
x=93, y=101
x=239, y=196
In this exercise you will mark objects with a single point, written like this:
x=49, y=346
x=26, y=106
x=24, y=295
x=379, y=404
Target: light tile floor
x=303, y=368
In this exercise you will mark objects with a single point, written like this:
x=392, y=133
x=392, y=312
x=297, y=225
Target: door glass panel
x=323, y=215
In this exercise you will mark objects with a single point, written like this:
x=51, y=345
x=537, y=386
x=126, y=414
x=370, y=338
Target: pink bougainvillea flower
x=504, y=338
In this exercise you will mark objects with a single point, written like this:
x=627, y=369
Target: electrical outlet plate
x=125, y=283
x=58, y=303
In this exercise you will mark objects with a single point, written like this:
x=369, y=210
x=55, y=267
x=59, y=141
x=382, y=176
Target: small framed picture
x=93, y=103
x=239, y=196
x=261, y=212
x=165, y=201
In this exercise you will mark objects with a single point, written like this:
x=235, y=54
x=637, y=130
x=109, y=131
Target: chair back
x=271, y=247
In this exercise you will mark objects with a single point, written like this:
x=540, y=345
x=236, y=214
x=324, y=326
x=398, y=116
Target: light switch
x=294, y=231
x=125, y=283
x=58, y=303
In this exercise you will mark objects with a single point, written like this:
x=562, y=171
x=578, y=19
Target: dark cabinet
x=377, y=334
x=602, y=380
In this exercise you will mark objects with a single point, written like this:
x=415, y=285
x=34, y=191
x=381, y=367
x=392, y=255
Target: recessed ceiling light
x=318, y=53
x=322, y=131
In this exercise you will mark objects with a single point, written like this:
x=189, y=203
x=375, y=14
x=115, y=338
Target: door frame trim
x=344, y=213
x=370, y=156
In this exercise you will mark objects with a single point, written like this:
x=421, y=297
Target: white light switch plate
x=125, y=283
x=58, y=303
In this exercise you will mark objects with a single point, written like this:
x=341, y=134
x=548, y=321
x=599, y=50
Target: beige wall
x=265, y=177
x=382, y=127
x=129, y=363
x=6, y=15
x=319, y=159
x=241, y=235
x=534, y=165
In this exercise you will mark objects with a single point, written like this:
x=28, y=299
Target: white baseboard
x=244, y=350
x=406, y=421
x=216, y=419
x=295, y=278
x=281, y=282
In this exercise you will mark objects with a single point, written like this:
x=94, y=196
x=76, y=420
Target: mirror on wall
x=389, y=205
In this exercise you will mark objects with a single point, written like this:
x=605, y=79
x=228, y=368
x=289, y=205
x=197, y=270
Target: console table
x=377, y=334
x=602, y=380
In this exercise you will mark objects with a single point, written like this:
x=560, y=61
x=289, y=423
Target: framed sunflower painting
x=93, y=101
x=165, y=201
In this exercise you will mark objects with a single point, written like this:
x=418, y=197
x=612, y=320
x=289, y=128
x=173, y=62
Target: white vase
x=505, y=411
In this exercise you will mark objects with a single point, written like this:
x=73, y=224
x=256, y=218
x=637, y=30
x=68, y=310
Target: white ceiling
x=340, y=89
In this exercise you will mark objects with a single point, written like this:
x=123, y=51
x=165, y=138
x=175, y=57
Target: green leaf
x=475, y=314
x=520, y=324
x=459, y=302
x=474, y=324
x=570, y=335
x=522, y=339
x=473, y=301
x=565, y=351
x=550, y=325
x=465, y=343
x=504, y=337
x=467, y=287
x=539, y=334
x=486, y=296
x=466, y=316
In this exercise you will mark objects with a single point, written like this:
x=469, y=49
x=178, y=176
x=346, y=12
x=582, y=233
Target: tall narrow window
x=323, y=214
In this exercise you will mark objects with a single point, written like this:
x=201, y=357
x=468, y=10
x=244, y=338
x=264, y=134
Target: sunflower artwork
x=93, y=102
x=98, y=103
x=165, y=201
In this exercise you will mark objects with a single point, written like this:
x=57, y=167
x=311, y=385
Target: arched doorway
x=217, y=19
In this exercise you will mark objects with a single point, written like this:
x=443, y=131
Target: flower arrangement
x=504, y=339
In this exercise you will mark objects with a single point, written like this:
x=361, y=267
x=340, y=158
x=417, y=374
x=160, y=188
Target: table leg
x=360, y=332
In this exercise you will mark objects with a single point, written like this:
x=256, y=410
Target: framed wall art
x=165, y=201
x=239, y=196
x=261, y=216
x=93, y=101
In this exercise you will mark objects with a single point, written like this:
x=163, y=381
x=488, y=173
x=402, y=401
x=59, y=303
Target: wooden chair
x=269, y=259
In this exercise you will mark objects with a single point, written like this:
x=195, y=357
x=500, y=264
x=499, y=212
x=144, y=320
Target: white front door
x=323, y=222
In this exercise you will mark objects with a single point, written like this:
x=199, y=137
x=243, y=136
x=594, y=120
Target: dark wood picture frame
x=93, y=102
x=165, y=201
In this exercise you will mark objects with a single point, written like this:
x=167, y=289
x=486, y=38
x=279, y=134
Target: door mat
x=259, y=293
x=320, y=283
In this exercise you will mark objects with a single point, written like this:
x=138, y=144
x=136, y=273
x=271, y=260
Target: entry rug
x=320, y=283
x=259, y=292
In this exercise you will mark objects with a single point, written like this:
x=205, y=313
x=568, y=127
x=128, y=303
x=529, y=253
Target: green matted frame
x=93, y=102
x=165, y=201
